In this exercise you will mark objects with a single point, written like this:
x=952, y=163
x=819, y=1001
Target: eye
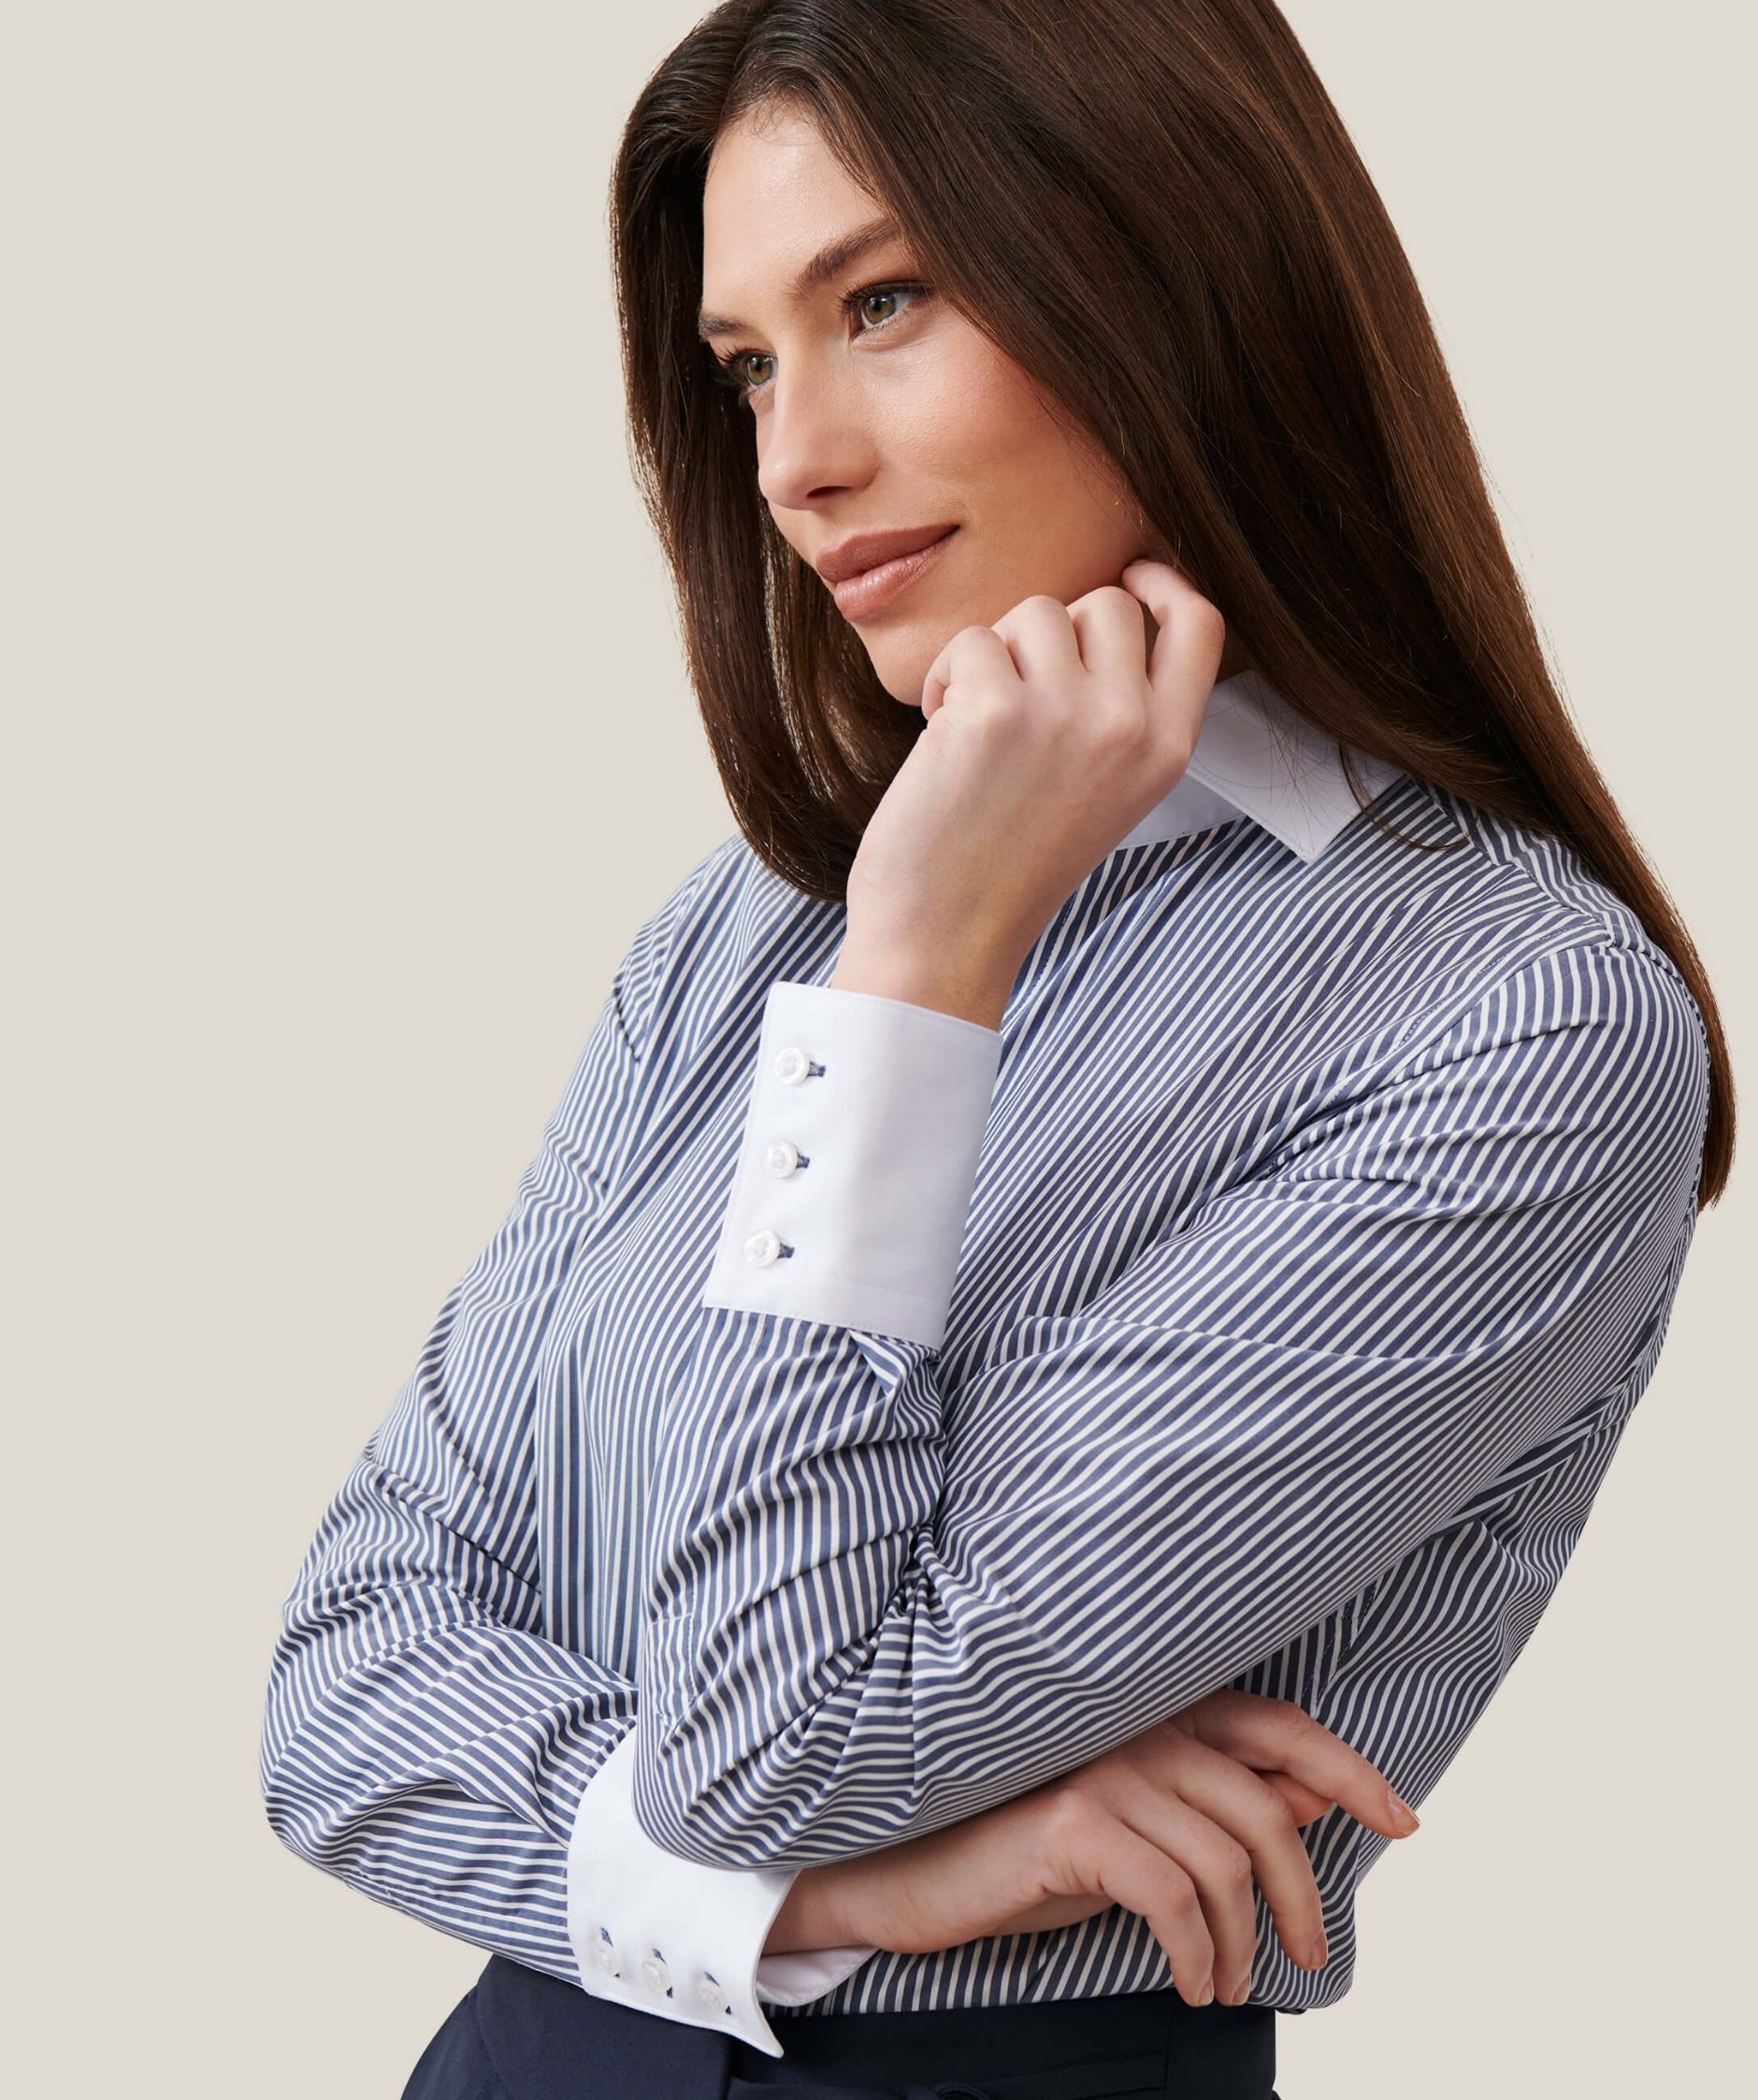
x=727, y=365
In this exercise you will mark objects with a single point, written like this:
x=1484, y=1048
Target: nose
x=812, y=442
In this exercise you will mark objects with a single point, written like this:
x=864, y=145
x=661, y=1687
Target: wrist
x=811, y=1915
x=973, y=987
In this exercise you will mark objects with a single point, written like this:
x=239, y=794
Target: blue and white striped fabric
x=1326, y=1202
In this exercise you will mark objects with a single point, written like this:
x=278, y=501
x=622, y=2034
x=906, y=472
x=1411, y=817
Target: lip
x=869, y=550
x=891, y=562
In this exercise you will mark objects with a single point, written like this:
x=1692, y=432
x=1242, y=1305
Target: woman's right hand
x=1177, y=1824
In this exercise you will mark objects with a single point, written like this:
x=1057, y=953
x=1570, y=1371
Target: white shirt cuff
x=859, y=1160
x=673, y=1937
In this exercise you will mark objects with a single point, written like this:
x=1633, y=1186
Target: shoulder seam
x=1620, y=927
x=1600, y=937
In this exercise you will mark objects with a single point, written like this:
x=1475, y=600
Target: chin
x=900, y=673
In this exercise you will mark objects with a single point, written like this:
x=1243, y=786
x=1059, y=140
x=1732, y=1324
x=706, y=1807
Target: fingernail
x=1319, y=1952
x=1402, y=1812
x=1208, y=1992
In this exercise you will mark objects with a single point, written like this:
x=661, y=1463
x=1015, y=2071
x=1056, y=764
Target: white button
x=781, y=1155
x=655, y=1974
x=604, y=1954
x=763, y=1247
x=792, y=1065
x=711, y=1995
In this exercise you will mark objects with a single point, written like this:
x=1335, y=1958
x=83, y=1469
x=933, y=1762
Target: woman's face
x=895, y=413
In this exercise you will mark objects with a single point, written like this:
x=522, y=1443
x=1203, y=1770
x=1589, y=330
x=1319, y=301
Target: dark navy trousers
x=521, y=2035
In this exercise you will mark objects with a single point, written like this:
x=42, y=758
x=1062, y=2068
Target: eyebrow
x=829, y=263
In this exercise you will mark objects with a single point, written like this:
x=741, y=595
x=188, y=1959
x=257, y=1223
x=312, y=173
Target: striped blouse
x=863, y=1416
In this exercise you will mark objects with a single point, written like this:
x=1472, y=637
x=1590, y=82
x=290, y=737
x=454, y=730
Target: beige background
x=348, y=743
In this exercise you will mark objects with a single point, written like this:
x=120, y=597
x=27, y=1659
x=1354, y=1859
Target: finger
x=973, y=651
x=1110, y=628
x=1041, y=638
x=1206, y=1846
x=1304, y=1805
x=1191, y=638
x=1108, y=1857
x=1255, y=1817
x=1276, y=1734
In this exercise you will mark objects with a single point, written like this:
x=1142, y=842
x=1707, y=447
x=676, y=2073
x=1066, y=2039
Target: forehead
x=774, y=194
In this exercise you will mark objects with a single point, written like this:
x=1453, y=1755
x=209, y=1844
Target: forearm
x=811, y=1914
x=921, y=1896
x=867, y=1899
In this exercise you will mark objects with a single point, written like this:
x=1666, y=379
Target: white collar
x=1254, y=756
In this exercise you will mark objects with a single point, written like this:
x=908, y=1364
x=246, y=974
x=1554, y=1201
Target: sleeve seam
x=663, y=925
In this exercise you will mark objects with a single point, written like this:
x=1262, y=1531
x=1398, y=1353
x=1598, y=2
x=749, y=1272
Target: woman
x=1076, y=1303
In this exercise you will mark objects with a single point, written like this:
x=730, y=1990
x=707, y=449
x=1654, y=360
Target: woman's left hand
x=1184, y=1824
x=1049, y=736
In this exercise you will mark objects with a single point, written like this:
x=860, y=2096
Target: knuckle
x=992, y=707
x=1277, y=1810
x=1284, y=1714
x=1069, y=1814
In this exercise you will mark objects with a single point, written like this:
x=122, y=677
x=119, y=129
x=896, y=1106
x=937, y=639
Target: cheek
x=974, y=422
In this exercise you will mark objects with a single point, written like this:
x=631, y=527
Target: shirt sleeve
x=849, y=1197
x=687, y=1939
x=864, y=1626
x=421, y=1739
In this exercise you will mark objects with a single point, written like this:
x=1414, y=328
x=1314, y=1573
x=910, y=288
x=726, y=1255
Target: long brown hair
x=1154, y=206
